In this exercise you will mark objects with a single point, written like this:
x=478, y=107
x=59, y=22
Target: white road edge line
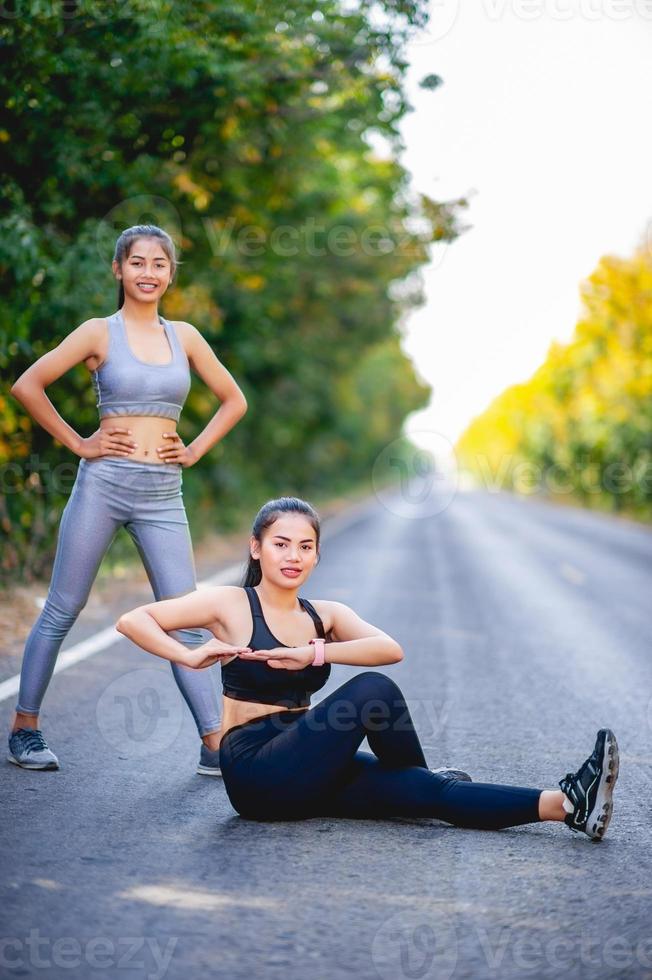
x=107, y=637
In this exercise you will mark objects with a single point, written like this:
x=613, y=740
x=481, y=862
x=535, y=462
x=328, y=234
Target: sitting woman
x=282, y=759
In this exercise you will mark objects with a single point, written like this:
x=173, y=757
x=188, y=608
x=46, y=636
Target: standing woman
x=282, y=759
x=129, y=473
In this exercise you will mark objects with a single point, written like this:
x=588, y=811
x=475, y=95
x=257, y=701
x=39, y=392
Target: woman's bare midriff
x=237, y=712
x=146, y=431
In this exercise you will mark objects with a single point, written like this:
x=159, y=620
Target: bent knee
x=375, y=684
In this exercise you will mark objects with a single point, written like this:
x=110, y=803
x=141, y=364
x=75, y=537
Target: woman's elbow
x=125, y=623
x=395, y=654
x=18, y=389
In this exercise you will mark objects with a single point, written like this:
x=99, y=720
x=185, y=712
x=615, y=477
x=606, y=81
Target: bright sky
x=549, y=121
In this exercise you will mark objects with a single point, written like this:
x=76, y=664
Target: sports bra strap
x=254, y=602
x=319, y=626
x=257, y=610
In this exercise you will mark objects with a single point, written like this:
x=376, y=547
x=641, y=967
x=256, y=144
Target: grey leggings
x=146, y=499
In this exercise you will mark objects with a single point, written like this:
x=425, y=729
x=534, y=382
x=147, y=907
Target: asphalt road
x=526, y=627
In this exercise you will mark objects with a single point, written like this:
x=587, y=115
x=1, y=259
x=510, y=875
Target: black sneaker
x=28, y=749
x=590, y=789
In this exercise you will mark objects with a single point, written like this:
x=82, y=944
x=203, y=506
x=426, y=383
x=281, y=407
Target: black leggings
x=291, y=765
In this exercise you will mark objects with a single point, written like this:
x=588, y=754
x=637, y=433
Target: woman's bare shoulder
x=327, y=610
x=95, y=326
x=189, y=336
x=227, y=596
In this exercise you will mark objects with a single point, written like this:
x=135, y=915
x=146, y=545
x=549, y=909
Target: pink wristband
x=319, y=657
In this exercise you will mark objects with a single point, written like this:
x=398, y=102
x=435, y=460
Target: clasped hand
x=215, y=651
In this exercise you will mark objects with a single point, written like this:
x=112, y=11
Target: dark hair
x=265, y=517
x=129, y=236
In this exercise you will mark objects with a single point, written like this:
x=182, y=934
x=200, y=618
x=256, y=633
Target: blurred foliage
x=582, y=424
x=245, y=129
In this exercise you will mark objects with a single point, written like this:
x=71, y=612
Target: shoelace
x=568, y=787
x=32, y=739
x=574, y=779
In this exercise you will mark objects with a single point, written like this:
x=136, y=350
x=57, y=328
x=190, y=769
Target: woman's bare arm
x=356, y=643
x=148, y=626
x=221, y=382
x=29, y=390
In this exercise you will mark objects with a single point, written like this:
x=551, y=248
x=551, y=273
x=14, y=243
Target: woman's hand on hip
x=285, y=658
x=113, y=441
x=174, y=450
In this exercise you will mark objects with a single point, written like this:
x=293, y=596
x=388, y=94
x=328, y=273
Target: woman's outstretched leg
x=584, y=801
x=88, y=525
x=370, y=790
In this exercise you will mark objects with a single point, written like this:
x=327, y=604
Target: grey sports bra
x=125, y=385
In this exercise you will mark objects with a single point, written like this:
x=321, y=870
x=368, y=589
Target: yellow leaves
x=253, y=282
x=241, y=215
x=590, y=403
x=229, y=127
x=199, y=196
x=194, y=305
x=250, y=154
x=619, y=413
x=364, y=201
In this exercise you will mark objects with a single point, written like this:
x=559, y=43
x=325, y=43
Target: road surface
x=525, y=626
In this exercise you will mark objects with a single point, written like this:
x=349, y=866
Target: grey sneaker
x=453, y=774
x=209, y=762
x=28, y=749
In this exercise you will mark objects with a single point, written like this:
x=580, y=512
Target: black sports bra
x=249, y=680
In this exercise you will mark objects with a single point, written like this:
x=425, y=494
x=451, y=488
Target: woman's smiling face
x=146, y=272
x=288, y=550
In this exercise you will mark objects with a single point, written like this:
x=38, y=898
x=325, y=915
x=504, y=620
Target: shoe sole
x=600, y=816
x=208, y=771
x=33, y=765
